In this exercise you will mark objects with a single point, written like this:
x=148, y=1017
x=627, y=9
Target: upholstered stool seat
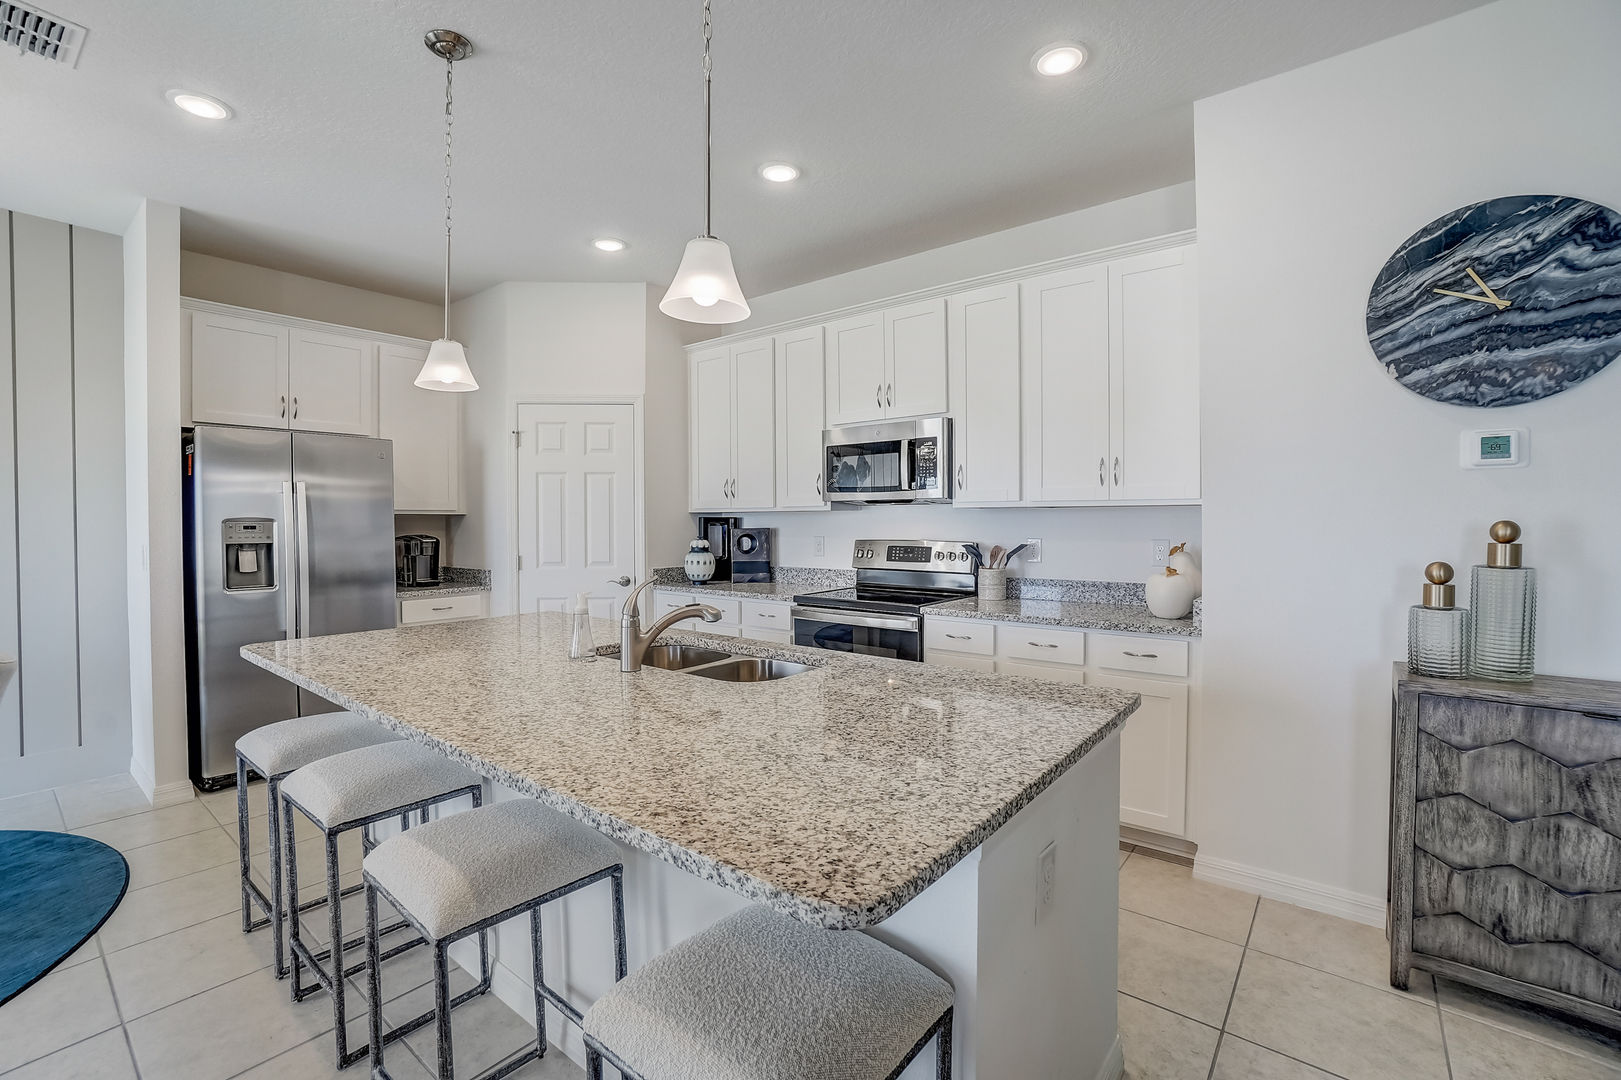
x=463, y=874
x=760, y=996
x=274, y=751
x=355, y=790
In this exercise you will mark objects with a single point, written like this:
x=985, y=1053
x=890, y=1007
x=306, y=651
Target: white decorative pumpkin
x=1181, y=560
x=1170, y=594
x=699, y=562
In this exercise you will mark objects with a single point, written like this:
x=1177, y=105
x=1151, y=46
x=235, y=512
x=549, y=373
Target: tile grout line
x=123, y=1027
x=1221, y=1032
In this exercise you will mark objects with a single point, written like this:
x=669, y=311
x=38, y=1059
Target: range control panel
x=944, y=555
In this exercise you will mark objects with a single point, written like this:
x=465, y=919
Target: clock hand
x=1485, y=288
x=1497, y=303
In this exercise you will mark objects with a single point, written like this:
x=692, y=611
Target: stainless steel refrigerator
x=288, y=534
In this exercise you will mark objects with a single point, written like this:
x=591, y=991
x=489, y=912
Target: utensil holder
x=992, y=584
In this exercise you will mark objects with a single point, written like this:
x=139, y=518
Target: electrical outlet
x=1161, y=551
x=821, y=545
x=1046, y=878
x=1032, y=551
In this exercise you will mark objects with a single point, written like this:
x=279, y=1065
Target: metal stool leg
x=619, y=923
x=374, y=983
x=441, y=998
x=242, y=843
x=292, y=883
x=942, y=1054
x=593, y=1064
x=335, y=954
x=539, y=966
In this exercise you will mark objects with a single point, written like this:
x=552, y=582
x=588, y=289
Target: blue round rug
x=56, y=889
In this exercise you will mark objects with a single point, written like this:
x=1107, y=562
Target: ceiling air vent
x=41, y=33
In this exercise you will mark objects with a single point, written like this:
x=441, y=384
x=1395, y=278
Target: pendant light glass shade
x=446, y=368
x=705, y=288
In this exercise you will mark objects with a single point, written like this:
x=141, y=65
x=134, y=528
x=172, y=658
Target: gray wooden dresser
x=1505, y=838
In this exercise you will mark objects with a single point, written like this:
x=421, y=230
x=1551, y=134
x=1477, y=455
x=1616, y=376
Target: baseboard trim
x=170, y=794
x=1358, y=907
x=147, y=782
x=1114, y=1063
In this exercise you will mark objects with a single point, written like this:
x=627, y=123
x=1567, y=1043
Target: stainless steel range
x=883, y=614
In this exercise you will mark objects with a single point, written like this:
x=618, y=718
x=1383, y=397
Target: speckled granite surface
x=1128, y=618
x=786, y=582
x=455, y=581
x=834, y=796
x=1077, y=592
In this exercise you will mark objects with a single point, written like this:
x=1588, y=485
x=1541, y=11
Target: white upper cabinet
x=332, y=383
x=732, y=406
x=915, y=354
x=856, y=374
x=238, y=371
x=1154, y=376
x=982, y=343
x=426, y=429
x=800, y=484
x=1066, y=385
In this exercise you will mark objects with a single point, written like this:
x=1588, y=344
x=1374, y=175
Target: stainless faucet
x=633, y=644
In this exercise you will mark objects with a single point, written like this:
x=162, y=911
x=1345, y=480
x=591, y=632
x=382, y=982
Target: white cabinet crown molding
x=188, y=303
x=1018, y=273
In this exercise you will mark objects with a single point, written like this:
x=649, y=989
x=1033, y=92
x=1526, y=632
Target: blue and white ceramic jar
x=699, y=563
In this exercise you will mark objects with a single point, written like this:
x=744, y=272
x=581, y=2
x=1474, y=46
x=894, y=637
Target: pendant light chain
x=450, y=66
x=709, y=154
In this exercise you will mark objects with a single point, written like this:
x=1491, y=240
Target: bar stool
x=274, y=751
x=763, y=996
x=462, y=875
x=354, y=790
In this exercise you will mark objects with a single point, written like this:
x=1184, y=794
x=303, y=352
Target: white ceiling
x=917, y=123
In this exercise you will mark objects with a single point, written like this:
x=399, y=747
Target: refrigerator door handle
x=289, y=558
x=303, y=495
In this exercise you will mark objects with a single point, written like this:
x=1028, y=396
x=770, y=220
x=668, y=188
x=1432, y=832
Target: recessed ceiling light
x=1058, y=59
x=209, y=108
x=779, y=172
x=609, y=243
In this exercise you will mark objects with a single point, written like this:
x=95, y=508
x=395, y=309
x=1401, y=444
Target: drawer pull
x=961, y=637
x=1143, y=655
x=1042, y=644
x=447, y=607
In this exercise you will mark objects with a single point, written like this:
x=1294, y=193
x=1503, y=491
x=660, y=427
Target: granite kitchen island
x=970, y=820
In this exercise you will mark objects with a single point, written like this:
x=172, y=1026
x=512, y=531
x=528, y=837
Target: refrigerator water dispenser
x=250, y=555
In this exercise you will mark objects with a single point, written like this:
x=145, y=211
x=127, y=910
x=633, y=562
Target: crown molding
x=188, y=303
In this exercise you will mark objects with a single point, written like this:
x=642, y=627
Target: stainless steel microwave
x=903, y=461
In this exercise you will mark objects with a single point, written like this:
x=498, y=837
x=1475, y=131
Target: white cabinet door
x=1153, y=754
x=1065, y=353
x=710, y=410
x=1154, y=376
x=332, y=381
x=800, y=485
x=915, y=356
x=1064, y=673
x=856, y=373
x=426, y=429
x=754, y=428
x=982, y=335
x=238, y=371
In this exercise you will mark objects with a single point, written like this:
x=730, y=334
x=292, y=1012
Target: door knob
x=623, y=581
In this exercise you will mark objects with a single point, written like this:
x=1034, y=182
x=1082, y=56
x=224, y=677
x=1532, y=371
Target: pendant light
x=705, y=288
x=446, y=366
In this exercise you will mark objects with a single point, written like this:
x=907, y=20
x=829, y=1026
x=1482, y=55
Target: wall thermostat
x=1501, y=448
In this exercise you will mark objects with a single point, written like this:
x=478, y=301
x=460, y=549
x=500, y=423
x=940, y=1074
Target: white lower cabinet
x=758, y=620
x=1154, y=741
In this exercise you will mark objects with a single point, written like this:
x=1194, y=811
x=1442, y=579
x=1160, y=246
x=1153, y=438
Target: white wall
x=664, y=429
x=1327, y=485
x=157, y=675
x=225, y=281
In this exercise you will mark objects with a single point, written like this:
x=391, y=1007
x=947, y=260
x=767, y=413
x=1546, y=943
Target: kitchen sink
x=681, y=657
x=750, y=669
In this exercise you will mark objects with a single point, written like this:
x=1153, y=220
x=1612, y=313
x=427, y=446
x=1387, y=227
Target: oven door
x=898, y=637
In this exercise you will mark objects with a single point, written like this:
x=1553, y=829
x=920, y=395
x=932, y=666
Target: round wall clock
x=1502, y=302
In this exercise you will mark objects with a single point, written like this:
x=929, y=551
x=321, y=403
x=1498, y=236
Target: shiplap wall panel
x=98, y=364
x=11, y=732
x=42, y=377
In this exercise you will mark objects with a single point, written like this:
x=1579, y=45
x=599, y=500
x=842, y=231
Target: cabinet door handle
x=1143, y=655
x=1116, y=472
x=295, y=407
x=889, y=395
x=878, y=395
x=959, y=476
x=1042, y=644
x=447, y=607
x=1103, y=476
x=818, y=485
x=284, y=406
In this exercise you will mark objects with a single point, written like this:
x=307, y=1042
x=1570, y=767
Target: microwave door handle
x=301, y=492
x=908, y=448
x=289, y=558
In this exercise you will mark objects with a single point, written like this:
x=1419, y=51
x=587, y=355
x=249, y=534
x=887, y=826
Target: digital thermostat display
x=1489, y=449
x=1496, y=447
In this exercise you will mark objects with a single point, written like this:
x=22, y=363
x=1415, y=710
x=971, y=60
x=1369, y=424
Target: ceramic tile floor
x=1214, y=984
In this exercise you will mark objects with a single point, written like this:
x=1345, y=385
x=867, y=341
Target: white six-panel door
x=576, y=505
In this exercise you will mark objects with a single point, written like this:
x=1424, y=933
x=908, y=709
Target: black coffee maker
x=718, y=531
x=416, y=560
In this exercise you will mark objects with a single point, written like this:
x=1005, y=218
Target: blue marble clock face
x=1503, y=302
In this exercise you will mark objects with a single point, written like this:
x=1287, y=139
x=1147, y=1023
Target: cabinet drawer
x=441, y=609
x=767, y=615
x=666, y=602
x=958, y=635
x=1040, y=643
x=959, y=660
x=1154, y=655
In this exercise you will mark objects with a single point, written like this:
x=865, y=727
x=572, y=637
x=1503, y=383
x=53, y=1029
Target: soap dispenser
x=1503, y=593
x=1438, y=631
x=581, y=645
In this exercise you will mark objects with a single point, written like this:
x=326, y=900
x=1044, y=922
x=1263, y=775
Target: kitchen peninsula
x=967, y=819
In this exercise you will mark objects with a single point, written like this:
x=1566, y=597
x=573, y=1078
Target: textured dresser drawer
x=767, y=615
x=1151, y=655
x=1040, y=643
x=441, y=609
x=959, y=635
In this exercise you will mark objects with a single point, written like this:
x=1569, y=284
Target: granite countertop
x=416, y=592
x=1133, y=618
x=834, y=796
x=748, y=590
